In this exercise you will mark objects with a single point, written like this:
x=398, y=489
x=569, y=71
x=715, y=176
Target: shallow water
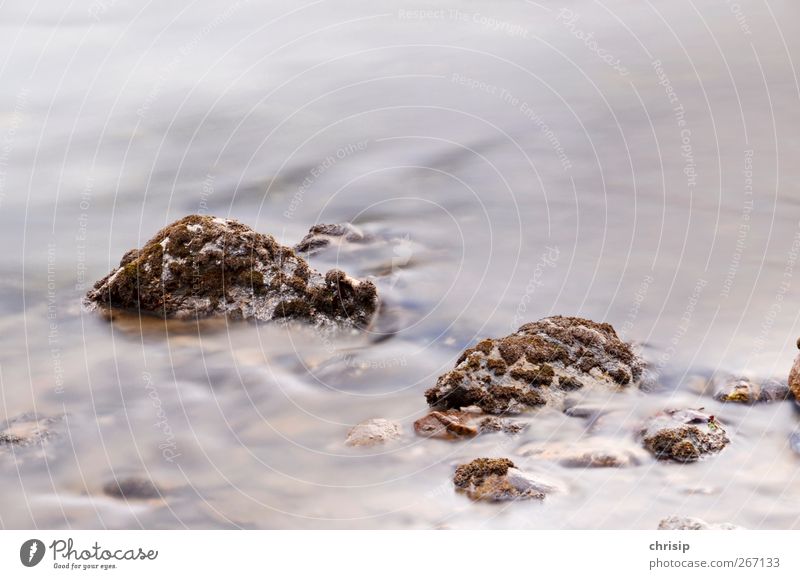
x=509, y=171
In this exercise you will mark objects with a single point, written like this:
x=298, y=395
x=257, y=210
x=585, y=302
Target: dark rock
x=497, y=479
x=204, y=266
x=537, y=365
x=323, y=236
x=132, y=488
x=684, y=435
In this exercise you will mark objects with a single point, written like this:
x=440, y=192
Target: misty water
x=628, y=162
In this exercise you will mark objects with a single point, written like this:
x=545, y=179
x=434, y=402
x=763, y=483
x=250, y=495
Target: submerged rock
x=675, y=523
x=324, y=236
x=204, y=266
x=589, y=454
x=454, y=424
x=497, y=479
x=537, y=365
x=748, y=391
x=132, y=488
x=28, y=430
x=684, y=435
x=372, y=432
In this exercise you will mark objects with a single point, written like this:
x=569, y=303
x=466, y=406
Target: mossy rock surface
x=202, y=266
x=684, y=435
x=498, y=479
x=538, y=365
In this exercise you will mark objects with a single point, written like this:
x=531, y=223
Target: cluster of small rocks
x=203, y=266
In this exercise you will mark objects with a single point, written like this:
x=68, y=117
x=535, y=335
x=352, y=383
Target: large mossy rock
x=537, y=365
x=204, y=266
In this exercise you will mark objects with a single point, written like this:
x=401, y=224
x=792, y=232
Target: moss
x=475, y=472
x=539, y=376
x=531, y=358
x=496, y=365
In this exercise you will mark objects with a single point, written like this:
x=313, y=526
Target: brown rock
x=537, y=365
x=204, y=266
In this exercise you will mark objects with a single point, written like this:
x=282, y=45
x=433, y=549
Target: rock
x=372, y=432
x=591, y=454
x=497, y=479
x=684, y=435
x=454, y=424
x=537, y=365
x=675, y=523
x=323, y=236
x=204, y=266
x=494, y=424
x=29, y=430
x=748, y=391
x=794, y=376
x=132, y=488
x=447, y=425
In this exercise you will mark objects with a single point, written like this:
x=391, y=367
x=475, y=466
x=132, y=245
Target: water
x=516, y=168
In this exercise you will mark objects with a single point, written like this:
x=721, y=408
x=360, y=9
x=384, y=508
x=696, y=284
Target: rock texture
x=674, y=523
x=464, y=423
x=204, y=266
x=537, y=365
x=497, y=479
x=324, y=236
x=684, y=435
x=748, y=391
x=372, y=432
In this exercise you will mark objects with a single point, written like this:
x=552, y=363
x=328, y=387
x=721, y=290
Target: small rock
x=497, y=479
x=203, y=266
x=774, y=390
x=684, y=435
x=748, y=391
x=132, y=488
x=28, y=430
x=446, y=425
x=537, y=365
x=373, y=431
x=494, y=424
x=675, y=523
x=323, y=236
x=453, y=424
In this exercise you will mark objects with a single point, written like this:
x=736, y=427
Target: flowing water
x=627, y=161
